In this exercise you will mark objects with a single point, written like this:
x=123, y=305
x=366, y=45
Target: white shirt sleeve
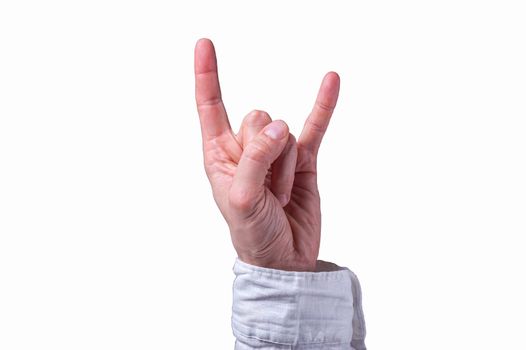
x=275, y=309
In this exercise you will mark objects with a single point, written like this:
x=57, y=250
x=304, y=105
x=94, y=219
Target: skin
x=263, y=180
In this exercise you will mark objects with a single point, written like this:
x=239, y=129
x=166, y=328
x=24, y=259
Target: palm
x=287, y=236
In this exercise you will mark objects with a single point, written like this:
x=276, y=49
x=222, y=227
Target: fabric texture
x=275, y=309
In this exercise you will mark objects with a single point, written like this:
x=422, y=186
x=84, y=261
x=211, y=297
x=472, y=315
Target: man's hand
x=263, y=181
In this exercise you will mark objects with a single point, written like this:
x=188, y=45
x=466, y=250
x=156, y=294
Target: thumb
x=248, y=184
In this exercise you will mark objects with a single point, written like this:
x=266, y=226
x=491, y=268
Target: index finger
x=212, y=113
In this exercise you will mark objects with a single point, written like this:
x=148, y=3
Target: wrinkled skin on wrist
x=263, y=180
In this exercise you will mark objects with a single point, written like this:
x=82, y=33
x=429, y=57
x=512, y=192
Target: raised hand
x=263, y=181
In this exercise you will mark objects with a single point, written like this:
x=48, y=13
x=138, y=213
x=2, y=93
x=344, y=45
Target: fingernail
x=283, y=199
x=275, y=131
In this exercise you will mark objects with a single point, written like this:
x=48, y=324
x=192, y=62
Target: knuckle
x=259, y=151
x=292, y=144
x=308, y=158
x=241, y=200
x=257, y=117
x=316, y=126
x=324, y=106
x=209, y=101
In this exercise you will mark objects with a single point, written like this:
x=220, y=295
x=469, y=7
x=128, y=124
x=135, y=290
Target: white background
x=110, y=238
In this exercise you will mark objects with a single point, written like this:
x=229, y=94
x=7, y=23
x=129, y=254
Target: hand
x=263, y=181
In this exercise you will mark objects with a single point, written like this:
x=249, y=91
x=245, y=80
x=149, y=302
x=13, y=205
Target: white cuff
x=275, y=309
